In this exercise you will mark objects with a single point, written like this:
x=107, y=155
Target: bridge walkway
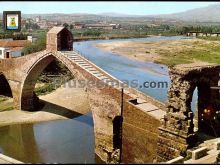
x=145, y=106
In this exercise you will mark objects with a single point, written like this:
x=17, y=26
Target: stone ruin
x=181, y=126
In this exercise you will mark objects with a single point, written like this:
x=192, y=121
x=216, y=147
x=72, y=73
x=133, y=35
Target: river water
x=72, y=140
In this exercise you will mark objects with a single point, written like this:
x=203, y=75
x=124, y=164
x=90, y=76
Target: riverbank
x=88, y=38
x=168, y=52
x=63, y=103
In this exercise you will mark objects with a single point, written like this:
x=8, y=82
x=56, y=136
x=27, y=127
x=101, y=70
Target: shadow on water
x=58, y=110
x=62, y=111
x=61, y=141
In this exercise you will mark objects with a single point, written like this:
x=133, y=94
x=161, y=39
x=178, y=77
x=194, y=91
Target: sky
x=97, y=7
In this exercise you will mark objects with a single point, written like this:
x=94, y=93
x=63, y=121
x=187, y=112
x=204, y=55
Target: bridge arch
x=104, y=107
x=28, y=99
x=5, y=87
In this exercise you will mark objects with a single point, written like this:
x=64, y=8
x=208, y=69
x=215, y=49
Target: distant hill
x=210, y=13
x=119, y=15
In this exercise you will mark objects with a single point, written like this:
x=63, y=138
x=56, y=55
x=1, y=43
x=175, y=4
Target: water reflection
x=19, y=140
x=63, y=141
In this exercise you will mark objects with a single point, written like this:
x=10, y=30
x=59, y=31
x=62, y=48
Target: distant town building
x=29, y=20
x=23, y=23
x=44, y=24
x=30, y=38
x=115, y=26
x=12, y=48
x=38, y=19
x=153, y=25
x=102, y=26
x=79, y=25
x=51, y=24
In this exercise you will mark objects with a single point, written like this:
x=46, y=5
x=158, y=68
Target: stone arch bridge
x=129, y=126
x=106, y=100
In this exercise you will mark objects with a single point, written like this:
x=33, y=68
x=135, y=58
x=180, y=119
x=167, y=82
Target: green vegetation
x=37, y=46
x=59, y=74
x=47, y=88
x=2, y=99
x=200, y=51
x=209, y=38
x=140, y=30
x=32, y=26
x=6, y=104
x=9, y=108
x=103, y=34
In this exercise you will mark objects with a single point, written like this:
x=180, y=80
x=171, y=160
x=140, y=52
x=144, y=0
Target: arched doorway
x=194, y=108
x=66, y=40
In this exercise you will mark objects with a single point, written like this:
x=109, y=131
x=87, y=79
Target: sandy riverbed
x=156, y=50
x=63, y=103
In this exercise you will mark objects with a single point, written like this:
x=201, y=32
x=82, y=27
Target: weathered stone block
x=217, y=145
x=179, y=159
x=198, y=153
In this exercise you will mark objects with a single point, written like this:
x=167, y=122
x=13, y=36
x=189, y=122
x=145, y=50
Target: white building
x=12, y=49
x=4, y=52
x=38, y=19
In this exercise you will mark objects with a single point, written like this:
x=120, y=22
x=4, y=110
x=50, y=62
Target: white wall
x=2, y=52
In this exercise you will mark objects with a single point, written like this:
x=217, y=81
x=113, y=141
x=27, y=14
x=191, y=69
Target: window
x=7, y=55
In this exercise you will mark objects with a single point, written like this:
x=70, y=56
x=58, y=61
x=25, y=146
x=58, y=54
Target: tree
x=35, y=47
x=66, y=25
x=71, y=26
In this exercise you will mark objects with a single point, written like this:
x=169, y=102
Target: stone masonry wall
x=140, y=135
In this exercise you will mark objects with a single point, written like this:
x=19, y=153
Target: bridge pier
x=105, y=105
x=176, y=132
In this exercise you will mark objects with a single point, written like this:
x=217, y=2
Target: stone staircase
x=205, y=152
x=212, y=149
x=91, y=68
x=95, y=70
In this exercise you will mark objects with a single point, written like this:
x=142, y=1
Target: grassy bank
x=206, y=50
x=210, y=38
x=85, y=38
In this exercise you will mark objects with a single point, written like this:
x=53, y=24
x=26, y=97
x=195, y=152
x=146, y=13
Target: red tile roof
x=14, y=49
x=14, y=43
